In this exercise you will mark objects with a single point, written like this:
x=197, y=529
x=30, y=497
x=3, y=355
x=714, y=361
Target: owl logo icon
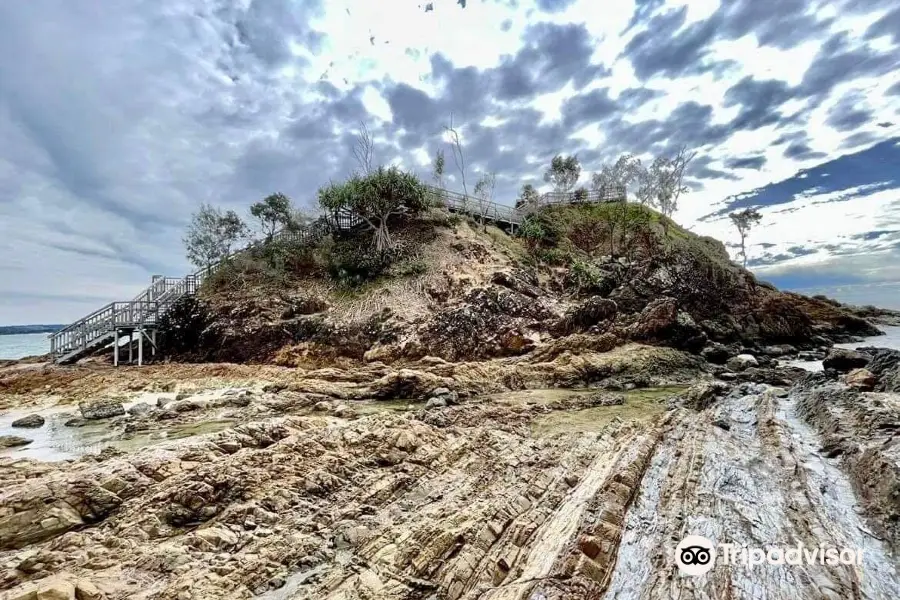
x=695, y=555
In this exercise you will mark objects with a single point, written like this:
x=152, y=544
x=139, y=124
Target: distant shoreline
x=25, y=329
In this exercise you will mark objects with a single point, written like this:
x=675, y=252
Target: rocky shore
x=511, y=421
x=452, y=480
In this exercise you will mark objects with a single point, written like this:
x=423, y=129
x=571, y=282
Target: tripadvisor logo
x=696, y=555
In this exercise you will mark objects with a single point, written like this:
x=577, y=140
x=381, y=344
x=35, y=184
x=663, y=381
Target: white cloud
x=120, y=120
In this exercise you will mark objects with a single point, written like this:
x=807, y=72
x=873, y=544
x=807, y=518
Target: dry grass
x=455, y=261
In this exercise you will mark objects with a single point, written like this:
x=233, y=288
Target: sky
x=118, y=119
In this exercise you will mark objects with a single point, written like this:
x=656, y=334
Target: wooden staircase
x=141, y=315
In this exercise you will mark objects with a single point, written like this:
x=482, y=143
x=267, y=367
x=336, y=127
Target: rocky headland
x=492, y=417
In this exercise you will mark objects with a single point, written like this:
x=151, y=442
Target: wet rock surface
x=843, y=360
x=12, y=441
x=860, y=429
x=469, y=500
x=29, y=422
x=101, y=409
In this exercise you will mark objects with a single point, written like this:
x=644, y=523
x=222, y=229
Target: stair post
x=116, y=348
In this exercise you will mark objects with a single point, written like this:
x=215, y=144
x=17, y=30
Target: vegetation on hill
x=407, y=279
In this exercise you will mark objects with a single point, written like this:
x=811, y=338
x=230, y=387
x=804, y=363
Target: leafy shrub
x=581, y=195
x=553, y=256
x=534, y=232
x=375, y=198
x=587, y=278
x=351, y=264
x=183, y=329
x=409, y=268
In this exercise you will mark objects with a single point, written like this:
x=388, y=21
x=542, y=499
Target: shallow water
x=54, y=441
x=891, y=339
x=836, y=500
x=642, y=404
x=21, y=345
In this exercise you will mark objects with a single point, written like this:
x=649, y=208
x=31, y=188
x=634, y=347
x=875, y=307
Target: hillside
x=590, y=277
x=468, y=415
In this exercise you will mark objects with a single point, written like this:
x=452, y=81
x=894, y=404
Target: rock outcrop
x=13, y=441
x=101, y=409
x=29, y=422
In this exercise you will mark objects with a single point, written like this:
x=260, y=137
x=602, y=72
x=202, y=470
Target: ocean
x=20, y=345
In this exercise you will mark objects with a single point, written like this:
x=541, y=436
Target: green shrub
x=409, y=268
x=553, y=256
x=351, y=263
x=375, y=198
x=585, y=276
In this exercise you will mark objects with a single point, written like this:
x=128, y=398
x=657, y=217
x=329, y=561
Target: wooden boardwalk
x=140, y=316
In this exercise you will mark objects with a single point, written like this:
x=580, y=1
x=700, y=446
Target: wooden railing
x=610, y=194
x=148, y=306
x=476, y=207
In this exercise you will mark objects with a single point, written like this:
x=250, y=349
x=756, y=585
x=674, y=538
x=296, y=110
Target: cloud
x=750, y=162
x=554, y=6
x=802, y=150
x=142, y=111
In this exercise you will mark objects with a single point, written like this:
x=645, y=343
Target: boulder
x=742, y=362
x=435, y=403
x=29, y=421
x=85, y=590
x=843, y=361
x=701, y=395
x=861, y=379
x=13, y=441
x=662, y=321
x=884, y=360
x=140, y=409
x=716, y=353
x=779, y=350
x=218, y=536
x=444, y=394
x=57, y=589
x=592, y=312
x=101, y=409
x=342, y=411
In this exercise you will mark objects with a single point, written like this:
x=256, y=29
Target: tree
x=274, y=212
x=211, y=235
x=364, y=149
x=744, y=221
x=581, y=195
x=375, y=198
x=484, y=194
x=612, y=178
x=563, y=173
x=646, y=187
x=458, y=157
x=437, y=168
x=624, y=173
x=667, y=180
x=528, y=197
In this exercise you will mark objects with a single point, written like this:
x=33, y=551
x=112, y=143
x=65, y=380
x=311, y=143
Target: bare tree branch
x=458, y=157
x=364, y=149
